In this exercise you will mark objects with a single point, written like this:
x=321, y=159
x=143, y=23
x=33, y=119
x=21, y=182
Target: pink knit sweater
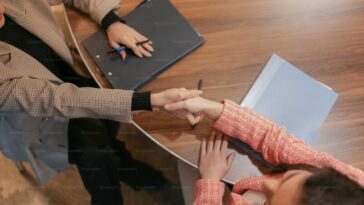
x=277, y=147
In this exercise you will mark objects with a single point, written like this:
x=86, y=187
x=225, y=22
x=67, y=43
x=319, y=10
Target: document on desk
x=172, y=35
x=290, y=98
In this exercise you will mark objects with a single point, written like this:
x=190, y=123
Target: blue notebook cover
x=291, y=98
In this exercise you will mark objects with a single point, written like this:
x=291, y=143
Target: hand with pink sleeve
x=263, y=135
x=213, y=166
x=214, y=163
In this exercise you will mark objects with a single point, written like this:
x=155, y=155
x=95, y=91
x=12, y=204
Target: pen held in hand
x=200, y=83
x=117, y=50
x=123, y=48
x=199, y=87
x=140, y=43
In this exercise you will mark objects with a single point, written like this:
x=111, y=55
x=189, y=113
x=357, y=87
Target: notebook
x=291, y=98
x=172, y=35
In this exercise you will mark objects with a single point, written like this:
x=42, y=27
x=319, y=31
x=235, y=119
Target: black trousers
x=103, y=161
x=96, y=153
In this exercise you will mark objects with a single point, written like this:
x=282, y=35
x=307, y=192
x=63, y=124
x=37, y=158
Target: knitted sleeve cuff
x=141, y=101
x=109, y=19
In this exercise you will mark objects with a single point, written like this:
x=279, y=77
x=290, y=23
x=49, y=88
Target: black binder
x=172, y=35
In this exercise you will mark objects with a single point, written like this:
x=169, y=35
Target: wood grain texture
x=325, y=38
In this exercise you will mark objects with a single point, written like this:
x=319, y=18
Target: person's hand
x=173, y=95
x=121, y=34
x=214, y=163
x=198, y=105
x=159, y=100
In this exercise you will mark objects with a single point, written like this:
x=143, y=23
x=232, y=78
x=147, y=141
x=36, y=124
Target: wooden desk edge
x=171, y=152
x=133, y=122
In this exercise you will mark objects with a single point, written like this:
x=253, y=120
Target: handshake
x=186, y=104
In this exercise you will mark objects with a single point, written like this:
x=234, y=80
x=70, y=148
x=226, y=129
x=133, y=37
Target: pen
x=122, y=48
x=142, y=42
x=199, y=87
x=117, y=50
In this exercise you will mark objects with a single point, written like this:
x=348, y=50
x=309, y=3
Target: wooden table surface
x=325, y=38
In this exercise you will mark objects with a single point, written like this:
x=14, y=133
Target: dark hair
x=329, y=187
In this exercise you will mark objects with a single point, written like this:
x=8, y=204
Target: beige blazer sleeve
x=43, y=98
x=97, y=9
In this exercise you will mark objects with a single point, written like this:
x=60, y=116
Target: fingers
x=142, y=49
x=180, y=114
x=145, y=48
x=230, y=159
x=123, y=55
x=136, y=50
x=203, y=147
x=190, y=118
x=175, y=100
x=198, y=118
x=114, y=45
x=130, y=42
x=184, y=99
x=210, y=144
x=186, y=94
x=224, y=144
x=176, y=106
x=121, y=34
x=148, y=47
x=218, y=140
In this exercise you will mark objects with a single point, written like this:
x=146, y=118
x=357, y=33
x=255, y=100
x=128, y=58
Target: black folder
x=172, y=35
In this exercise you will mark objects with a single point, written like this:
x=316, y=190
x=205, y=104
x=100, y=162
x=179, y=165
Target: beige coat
x=34, y=104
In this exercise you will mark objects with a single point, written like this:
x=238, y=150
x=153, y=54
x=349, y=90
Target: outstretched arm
x=276, y=145
x=41, y=97
x=261, y=134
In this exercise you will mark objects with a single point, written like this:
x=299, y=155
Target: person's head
x=323, y=187
x=2, y=17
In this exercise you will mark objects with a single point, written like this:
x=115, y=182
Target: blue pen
x=118, y=50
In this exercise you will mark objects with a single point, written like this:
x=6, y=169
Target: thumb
x=192, y=119
x=199, y=116
x=230, y=159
